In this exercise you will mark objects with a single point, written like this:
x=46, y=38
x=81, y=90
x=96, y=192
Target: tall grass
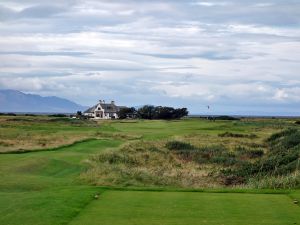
x=145, y=164
x=290, y=181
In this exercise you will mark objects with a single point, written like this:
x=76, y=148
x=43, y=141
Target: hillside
x=16, y=101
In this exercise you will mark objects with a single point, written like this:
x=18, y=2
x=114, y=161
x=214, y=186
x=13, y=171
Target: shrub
x=58, y=115
x=257, y=153
x=29, y=114
x=233, y=180
x=283, y=159
x=235, y=135
x=115, y=158
x=178, y=145
x=226, y=118
x=224, y=160
x=291, y=140
x=276, y=136
x=8, y=114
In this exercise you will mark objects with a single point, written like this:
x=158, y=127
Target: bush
x=58, y=115
x=257, y=153
x=115, y=158
x=178, y=145
x=283, y=159
x=233, y=180
x=277, y=136
x=235, y=135
x=8, y=114
x=226, y=118
x=29, y=114
x=291, y=140
x=249, y=153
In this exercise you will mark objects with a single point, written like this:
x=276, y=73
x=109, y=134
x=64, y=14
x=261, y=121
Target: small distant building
x=103, y=110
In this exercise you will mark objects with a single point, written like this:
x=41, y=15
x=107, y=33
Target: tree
x=127, y=113
x=79, y=115
x=164, y=112
x=146, y=112
x=181, y=112
x=161, y=112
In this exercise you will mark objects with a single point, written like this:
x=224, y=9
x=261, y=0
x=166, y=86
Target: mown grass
x=43, y=187
x=186, y=208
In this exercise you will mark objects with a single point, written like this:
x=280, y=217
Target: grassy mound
x=175, y=163
x=279, y=168
x=145, y=164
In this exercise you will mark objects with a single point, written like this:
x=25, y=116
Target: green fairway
x=41, y=188
x=188, y=208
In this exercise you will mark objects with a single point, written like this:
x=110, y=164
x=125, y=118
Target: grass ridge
x=221, y=190
x=23, y=151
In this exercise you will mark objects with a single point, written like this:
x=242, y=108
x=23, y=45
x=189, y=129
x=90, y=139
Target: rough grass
x=280, y=166
x=30, y=133
x=145, y=164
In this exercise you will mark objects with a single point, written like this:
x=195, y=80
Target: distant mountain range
x=16, y=101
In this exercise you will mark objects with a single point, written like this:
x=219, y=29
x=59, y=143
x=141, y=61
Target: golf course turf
x=188, y=208
x=44, y=187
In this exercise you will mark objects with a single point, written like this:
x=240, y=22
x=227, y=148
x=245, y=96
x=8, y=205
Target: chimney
x=100, y=101
x=112, y=102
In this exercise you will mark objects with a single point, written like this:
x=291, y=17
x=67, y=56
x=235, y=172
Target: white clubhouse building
x=103, y=110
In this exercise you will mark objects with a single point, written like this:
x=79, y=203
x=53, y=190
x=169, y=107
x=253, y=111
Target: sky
x=237, y=56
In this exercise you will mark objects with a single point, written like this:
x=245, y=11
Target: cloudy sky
x=239, y=57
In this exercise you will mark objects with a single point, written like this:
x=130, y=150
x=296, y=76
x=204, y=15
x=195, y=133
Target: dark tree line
x=153, y=112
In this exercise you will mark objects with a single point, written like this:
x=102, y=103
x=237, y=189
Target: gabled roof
x=91, y=110
x=108, y=108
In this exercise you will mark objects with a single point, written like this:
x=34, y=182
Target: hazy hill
x=16, y=101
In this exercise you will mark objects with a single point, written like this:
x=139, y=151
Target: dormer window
x=99, y=108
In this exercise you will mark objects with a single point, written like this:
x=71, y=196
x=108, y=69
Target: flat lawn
x=188, y=208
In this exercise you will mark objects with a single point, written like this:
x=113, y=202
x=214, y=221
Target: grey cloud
x=41, y=11
x=204, y=55
x=6, y=13
x=35, y=53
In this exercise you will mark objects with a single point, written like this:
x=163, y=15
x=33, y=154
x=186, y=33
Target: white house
x=103, y=110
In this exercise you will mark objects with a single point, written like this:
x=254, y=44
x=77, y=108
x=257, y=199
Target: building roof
x=91, y=110
x=108, y=108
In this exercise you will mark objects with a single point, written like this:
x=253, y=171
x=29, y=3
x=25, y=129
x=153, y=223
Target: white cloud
x=211, y=4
